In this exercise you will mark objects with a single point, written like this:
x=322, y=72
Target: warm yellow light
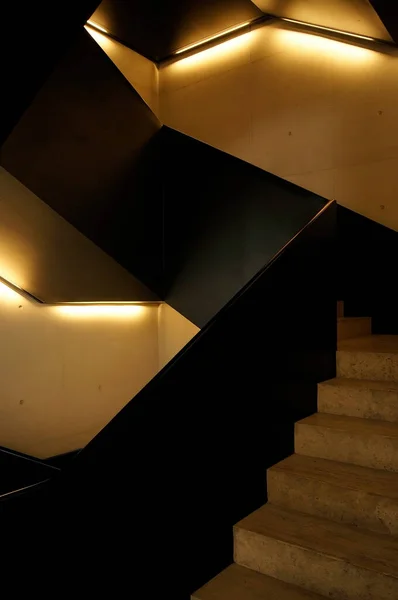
x=7, y=293
x=102, y=40
x=307, y=42
x=223, y=51
x=96, y=26
x=100, y=310
x=211, y=38
x=330, y=30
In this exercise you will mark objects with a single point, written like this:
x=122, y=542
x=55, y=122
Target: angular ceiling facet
x=32, y=40
x=47, y=257
x=156, y=28
x=87, y=146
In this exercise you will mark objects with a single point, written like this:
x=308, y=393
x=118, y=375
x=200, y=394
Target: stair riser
x=367, y=365
x=239, y=583
x=352, y=328
x=340, y=308
x=375, y=451
x=315, y=497
x=363, y=403
x=333, y=577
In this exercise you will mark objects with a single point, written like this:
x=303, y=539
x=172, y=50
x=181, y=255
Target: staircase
x=330, y=527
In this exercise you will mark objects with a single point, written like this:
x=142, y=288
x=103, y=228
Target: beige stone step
x=359, y=398
x=363, y=442
x=353, y=327
x=340, y=308
x=239, y=583
x=341, y=492
x=372, y=357
x=336, y=560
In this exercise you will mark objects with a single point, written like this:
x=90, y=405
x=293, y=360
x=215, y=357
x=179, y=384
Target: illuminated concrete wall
x=66, y=371
x=320, y=113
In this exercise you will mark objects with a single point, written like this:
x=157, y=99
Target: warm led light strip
x=106, y=304
x=211, y=38
x=330, y=30
x=95, y=26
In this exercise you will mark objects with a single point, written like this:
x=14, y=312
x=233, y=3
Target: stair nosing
x=328, y=555
x=247, y=572
x=367, y=423
x=350, y=485
x=385, y=386
x=306, y=545
x=354, y=318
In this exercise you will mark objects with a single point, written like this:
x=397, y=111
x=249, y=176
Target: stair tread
x=240, y=583
x=343, y=319
x=365, y=479
x=371, y=343
x=359, y=547
x=367, y=384
x=351, y=424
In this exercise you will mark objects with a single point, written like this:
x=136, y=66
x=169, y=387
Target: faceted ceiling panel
x=88, y=147
x=156, y=29
x=355, y=16
x=32, y=40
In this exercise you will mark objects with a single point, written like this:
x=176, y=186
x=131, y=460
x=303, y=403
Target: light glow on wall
x=94, y=25
x=211, y=39
x=88, y=311
x=6, y=293
x=321, y=28
x=102, y=39
x=313, y=43
x=219, y=52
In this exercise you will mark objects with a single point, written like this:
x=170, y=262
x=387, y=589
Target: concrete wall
x=317, y=112
x=175, y=331
x=138, y=70
x=65, y=371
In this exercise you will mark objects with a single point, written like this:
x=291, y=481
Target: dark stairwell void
x=367, y=258
x=19, y=471
x=147, y=508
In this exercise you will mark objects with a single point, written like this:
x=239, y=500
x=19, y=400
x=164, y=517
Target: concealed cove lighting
x=96, y=26
x=100, y=310
x=330, y=30
x=211, y=38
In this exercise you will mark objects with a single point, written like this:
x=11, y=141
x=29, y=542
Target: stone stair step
x=239, y=583
x=363, y=442
x=372, y=357
x=335, y=560
x=359, y=398
x=353, y=327
x=341, y=492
